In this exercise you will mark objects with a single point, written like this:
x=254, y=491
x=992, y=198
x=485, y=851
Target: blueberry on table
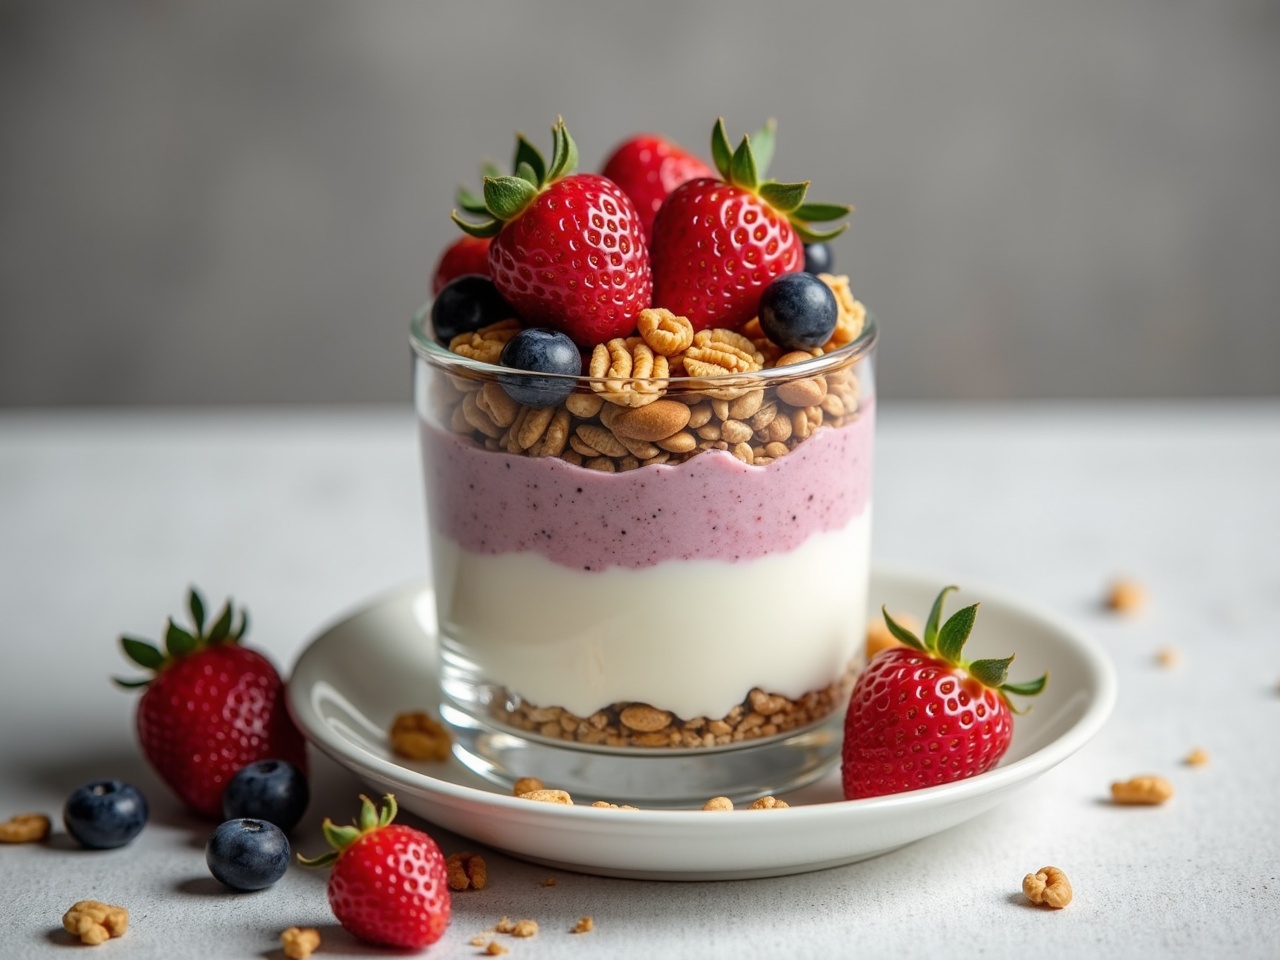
x=105, y=814
x=541, y=351
x=818, y=258
x=798, y=311
x=467, y=303
x=271, y=790
x=247, y=854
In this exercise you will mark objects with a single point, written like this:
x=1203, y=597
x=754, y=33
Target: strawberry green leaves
x=180, y=642
x=946, y=641
x=371, y=818
x=745, y=167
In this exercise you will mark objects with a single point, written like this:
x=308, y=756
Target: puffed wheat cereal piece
x=466, y=871
x=606, y=805
x=653, y=422
x=486, y=343
x=527, y=785
x=584, y=406
x=584, y=925
x=95, y=922
x=24, y=828
x=548, y=796
x=419, y=736
x=1048, y=886
x=769, y=803
x=298, y=943
x=665, y=332
x=1197, y=757
x=1126, y=596
x=644, y=719
x=628, y=374
x=718, y=804
x=1146, y=790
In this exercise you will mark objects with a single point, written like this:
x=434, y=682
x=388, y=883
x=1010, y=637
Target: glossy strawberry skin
x=648, y=167
x=715, y=248
x=207, y=715
x=390, y=888
x=465, y=255
x=575, y=260
x=915, y=721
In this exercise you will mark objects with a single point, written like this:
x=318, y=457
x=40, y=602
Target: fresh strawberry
x=212, y=707
x=465, y=255
x=921, y=715
x=389, y=885
x=717, y=243
x=647, y=168
x=568, y=249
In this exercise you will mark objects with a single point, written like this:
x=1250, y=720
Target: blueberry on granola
x=798, y=311
x=542, y=351
x=467, y=303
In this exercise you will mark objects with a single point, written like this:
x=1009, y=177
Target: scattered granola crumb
x=527, y=785
x=1145, y=790
x=504, y=926
x=478, y=941
x=466, y=871
x=1126, y=595
x=548, y=796
x=584, y=925
x=525, y=928
x=718, y=803
x=24, y=828
x=1197, y=757
x=419, y=736
x=1168, y=657
x=549, y=882
x=495, y=949
x=95, y=922
x=1048, y=886
x=299, y=943
x=606, y=805
x=768, y=803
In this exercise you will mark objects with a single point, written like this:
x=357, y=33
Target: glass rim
x=425, y=347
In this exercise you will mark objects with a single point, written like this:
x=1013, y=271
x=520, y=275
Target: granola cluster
x=632, y=416
x=759, y=715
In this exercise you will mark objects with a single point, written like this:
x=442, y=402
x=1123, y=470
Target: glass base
x=647, y=778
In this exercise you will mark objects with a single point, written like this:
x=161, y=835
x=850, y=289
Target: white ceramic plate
x=357, y=674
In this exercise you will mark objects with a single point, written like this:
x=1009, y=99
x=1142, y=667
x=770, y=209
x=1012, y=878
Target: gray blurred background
x=243, y=201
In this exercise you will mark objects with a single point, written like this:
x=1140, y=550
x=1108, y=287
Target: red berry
x=717, y=244
x=212, y=708
x=648, y=167
x=465, y=255
x=568, y=250
x=920, y=715
x=389, y=885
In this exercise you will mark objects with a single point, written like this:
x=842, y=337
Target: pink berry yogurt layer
x=711, y=507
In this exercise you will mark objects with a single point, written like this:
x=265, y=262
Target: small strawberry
x=921, y=715
x=648, y=167
x=212, y=707
x=717, y=243
x=568, y=249
x=465, y=255
x=389, y=885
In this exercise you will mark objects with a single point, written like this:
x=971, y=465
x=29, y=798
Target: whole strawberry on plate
x=648, y=167
x=717, y=243
x=389, y=885
x=212, y=707
x=921, y=714
x=568, y=249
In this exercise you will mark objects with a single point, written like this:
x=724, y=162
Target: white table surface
x=106, y=517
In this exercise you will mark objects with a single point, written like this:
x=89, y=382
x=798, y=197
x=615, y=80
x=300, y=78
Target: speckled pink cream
x=711, y=507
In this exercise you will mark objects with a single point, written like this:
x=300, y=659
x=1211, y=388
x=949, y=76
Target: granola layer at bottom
x=760, y=715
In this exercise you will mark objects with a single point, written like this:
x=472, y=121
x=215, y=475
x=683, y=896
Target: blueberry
x=105, y=814
x=247, y=854
x=818, y=258
x=271, y=790
x=465, y=304
x=798, y=311
x=543, y=351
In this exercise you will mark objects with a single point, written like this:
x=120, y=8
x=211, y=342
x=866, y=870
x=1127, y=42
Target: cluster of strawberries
x=582, y=254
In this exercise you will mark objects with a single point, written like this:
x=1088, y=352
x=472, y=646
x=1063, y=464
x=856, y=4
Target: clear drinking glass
x=650, y=591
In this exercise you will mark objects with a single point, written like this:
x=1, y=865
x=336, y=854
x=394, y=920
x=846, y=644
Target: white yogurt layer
x=689, y=636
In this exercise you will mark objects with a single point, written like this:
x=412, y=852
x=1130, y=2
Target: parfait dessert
x=645, y=403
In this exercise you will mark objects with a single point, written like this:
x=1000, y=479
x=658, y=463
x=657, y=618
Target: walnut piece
x=419, y=736
x=486, y=343
x=95, y=922
x=1048, y=886
x=24, y=828
x=466, y=871
x=664, y=332
x=298, y=943
x=628, y=372
x=1148, y=790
